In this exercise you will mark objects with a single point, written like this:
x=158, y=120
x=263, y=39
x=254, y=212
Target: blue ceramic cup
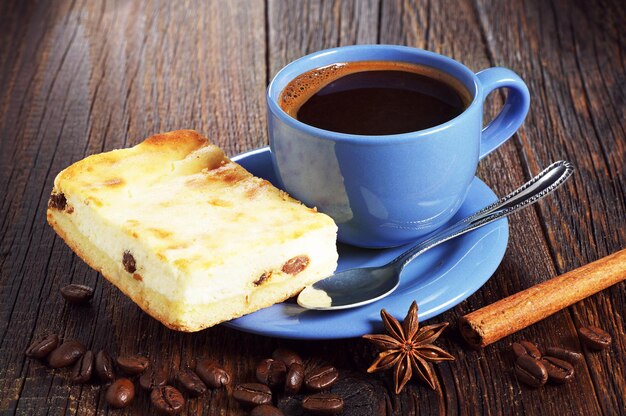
x=385, y=191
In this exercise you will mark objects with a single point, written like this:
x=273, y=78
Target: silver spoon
x=360, y=286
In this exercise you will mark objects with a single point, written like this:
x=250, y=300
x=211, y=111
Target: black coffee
x=374, y=97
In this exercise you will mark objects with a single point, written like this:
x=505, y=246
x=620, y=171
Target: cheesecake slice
x=190, y=236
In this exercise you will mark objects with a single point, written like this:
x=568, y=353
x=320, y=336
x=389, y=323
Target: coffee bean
x=271, y=372
x=190, y=382
x=321, y=377
x=66, y=354
x=287, y=356
x=153, y=376
x=559, y=371
x=323, y=404
x=266, y=410
x=77, y=293
x=531, y=349
x=132, y=364
x=526, y=347
x=81, y=373
x=121, y=393
x=294, y=378
x=167, y=400
x=531, y=371
x=594, y=337
x=42, y=346
x=518, y=349
x=213, y=375
x=564, y=354
x=252, y=394
x=104, y=366
x=262, y=371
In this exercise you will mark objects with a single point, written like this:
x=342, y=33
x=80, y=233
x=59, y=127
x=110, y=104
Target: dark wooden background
x=83, y=76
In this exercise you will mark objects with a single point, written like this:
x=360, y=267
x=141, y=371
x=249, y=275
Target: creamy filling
x=223, y=277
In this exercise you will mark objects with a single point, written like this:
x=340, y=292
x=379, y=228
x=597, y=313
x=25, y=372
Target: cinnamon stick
x=516, y=312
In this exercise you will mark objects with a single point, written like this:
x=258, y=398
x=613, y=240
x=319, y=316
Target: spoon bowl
x=371, y=283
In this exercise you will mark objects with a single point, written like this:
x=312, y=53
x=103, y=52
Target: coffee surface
x=374, y=97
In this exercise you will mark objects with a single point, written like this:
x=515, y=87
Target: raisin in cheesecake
x=190, y=236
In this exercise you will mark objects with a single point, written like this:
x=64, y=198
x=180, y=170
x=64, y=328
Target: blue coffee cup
x=384, y=191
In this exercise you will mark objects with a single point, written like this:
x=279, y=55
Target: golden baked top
x=180, y=197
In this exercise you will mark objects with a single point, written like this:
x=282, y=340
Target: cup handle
x=513, y=113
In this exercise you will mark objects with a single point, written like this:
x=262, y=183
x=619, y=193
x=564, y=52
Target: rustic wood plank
x=578, y=115
x=315, y=24
x=24, y=234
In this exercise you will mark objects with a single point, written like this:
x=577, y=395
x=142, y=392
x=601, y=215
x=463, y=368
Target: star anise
x=408, y=349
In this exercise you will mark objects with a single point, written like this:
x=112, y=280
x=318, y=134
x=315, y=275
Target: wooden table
x=80, y=77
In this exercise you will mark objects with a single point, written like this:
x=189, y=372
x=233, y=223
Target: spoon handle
x=532, y=191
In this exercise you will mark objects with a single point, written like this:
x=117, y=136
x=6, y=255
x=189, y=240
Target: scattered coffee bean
x=190, y=382
x=323, y=404
x=531, y=371
x=77, y=294
x=66, y=354
x=266, y=410
x=294, y=378
x=104, y=366
x=559, y=371
x=271, y=372
x=531, y=349
x=81, y=373
x=213, y=375
x=43, y=346
x=121, y=393
x=252, y=394
x=167, y=400
x=320, y=378
x=132, y=364
x=564, y=354
x=287, y=356
x=154, y=376
x=518, y=349
x=594, y=337
x=525, y=348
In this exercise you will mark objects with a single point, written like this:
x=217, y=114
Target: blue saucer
x=438, y=279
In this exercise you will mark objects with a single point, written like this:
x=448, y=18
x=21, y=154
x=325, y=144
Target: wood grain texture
x=317, y=24
x=80, y=77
